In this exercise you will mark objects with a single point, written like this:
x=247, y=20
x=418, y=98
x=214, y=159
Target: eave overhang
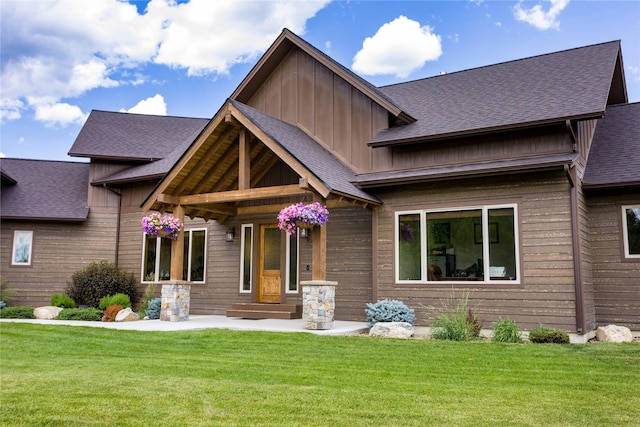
x=498, y=167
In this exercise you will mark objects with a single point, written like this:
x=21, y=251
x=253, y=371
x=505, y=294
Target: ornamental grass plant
x=64, y=376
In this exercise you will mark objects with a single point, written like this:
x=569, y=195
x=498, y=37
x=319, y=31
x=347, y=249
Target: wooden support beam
x=212, y=151
x=319, y=248
x=242, y=195
x=177, y=248
x=244, y=164
x=167, y=199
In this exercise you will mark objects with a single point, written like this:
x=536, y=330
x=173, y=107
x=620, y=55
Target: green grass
x=75, y=376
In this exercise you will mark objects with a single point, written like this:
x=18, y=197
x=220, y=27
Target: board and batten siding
x=546, y=294
x=303, y=92
x=59, y=249
x=616, y=281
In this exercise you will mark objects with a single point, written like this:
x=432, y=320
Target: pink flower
x=310, y=214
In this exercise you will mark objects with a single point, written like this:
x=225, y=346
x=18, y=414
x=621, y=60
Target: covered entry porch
x=240, y=172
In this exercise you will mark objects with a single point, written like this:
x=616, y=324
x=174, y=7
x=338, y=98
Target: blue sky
x=62, y=59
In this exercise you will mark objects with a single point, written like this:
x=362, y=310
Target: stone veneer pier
x=318, y=304
x=176, y=297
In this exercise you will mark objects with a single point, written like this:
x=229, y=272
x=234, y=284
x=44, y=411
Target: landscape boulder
x=127, y=315
x=614, y=333
x=392, y=330
x=48, y=312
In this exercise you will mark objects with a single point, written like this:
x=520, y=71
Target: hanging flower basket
x=166, y=226
x=302, y=215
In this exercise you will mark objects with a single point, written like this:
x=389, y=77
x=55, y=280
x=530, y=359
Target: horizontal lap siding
x=349, y=261
x=546, y=294
x=616, y=282
x=59, y=250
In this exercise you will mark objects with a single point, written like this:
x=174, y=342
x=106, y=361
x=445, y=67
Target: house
x=517, y=182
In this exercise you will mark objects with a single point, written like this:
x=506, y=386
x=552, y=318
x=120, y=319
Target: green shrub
x=153, y=309
x=389, y=311
x=506, y=330
x=110, y=313
x=542, y=335
x=17, y=312
x=98, y=280
x=457, y=322
x=122, y=300
x=87, y=314
x=6, y=294
x=149, y=294
x=62, y=300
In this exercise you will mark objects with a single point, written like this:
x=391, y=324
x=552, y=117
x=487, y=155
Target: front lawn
x=75, y=376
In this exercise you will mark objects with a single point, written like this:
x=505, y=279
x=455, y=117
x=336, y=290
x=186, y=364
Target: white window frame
x=625, y=232
x=156, y=278
x=485, y=245
x=288, y=263
x=242, y=266
x=22, y=239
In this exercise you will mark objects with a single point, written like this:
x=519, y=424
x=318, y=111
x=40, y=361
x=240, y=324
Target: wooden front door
x=270, y=264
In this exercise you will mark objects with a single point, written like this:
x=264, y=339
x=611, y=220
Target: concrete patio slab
x=197, y=322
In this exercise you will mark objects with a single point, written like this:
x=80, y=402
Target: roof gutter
x=483, y=131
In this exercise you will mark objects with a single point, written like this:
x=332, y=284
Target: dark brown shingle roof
x=138, y=137
x=324, y=165
x=571, y=84
x=614, y=158
x=45, y=190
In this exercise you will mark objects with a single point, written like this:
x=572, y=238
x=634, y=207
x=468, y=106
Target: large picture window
x=478, y=244
x=156, y=257
x=631, y=231
x=22, y=247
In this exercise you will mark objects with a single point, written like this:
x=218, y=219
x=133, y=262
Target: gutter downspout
x=575, y=231
x=118, y=215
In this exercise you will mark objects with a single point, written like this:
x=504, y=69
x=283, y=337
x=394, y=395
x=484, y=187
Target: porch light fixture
x=304, y=232
x=231, y=232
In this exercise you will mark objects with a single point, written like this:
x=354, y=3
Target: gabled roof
x=133, y=137
x=569, y=85
x=323, y=164
x=148, y=171
x=614, y=158
x=211, y=164
x=283, y=45
x=45, y=190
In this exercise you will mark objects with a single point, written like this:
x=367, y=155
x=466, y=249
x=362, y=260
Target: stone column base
x=175, y=302
x=318, y=304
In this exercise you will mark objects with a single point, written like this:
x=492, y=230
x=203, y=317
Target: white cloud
x=399, y=48
x=210, y=37
x=154, y=105
x=54, y=113
x=536, y=16
x=10, y=109
x=64, y=48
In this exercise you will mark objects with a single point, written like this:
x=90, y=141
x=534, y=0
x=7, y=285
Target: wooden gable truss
x=216, y=179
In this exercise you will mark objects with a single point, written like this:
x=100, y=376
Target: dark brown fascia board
x=134, y=179
x=423, y=176
x=484, y=131
x=116, y=158
x=48, y=219
x=611, y=186
x=280, y=48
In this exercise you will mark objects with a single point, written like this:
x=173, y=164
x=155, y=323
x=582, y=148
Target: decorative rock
x=49, y=312
x=392, y=330
x=614, y=333
x=127, y=315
